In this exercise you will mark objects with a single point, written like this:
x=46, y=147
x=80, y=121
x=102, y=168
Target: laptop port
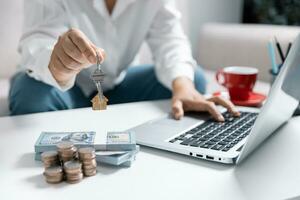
x=199, y=155
x=191, y=153
x=210, y=157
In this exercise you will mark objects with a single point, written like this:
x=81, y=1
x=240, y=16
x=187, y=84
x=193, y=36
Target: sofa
x=219, y=45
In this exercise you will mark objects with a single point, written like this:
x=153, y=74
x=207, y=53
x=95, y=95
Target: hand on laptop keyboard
x=185, y=101
x=187, y=98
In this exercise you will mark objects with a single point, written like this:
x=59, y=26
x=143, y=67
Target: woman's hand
x=187, y=98
x=72, y=53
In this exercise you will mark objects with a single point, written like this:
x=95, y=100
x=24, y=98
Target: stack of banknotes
x=113, y=148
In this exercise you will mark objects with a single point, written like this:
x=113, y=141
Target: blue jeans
x=28, y=95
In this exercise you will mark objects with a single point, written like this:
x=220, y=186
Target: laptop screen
x=281, y=103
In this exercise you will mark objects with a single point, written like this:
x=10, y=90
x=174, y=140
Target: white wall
x=11, y=19
x=203, y=11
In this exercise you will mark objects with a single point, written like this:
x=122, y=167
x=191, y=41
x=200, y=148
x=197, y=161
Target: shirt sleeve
x=44, y=21
x=170, y=47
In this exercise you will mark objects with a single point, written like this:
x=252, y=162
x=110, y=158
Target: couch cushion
x=241, y=44
x=4, y=88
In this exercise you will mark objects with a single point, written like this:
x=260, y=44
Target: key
x=100, y=101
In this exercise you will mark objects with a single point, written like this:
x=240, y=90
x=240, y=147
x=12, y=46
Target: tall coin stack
x=67, y=151
x=88, y=158
x=50, y=158
x=54, y=174
x=73, y=171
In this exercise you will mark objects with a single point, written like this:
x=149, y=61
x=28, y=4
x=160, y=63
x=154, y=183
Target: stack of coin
x=88, y=158
x=67, y=151
x=50, y=158
x=73, y=171
x=54, y=174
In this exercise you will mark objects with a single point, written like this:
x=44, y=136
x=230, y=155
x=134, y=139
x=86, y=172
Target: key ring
x=98, y=61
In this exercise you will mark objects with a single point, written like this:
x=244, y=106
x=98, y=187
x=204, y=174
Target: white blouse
x=121, y=35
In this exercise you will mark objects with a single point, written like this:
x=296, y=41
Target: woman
x=59, y=45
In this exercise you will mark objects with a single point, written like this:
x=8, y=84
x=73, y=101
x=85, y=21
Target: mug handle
x=220, y=77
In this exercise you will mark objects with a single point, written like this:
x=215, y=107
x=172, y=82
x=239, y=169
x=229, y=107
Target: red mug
x=238, y=80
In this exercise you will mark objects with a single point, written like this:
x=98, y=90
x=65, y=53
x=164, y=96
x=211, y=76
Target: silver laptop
x=199, y=136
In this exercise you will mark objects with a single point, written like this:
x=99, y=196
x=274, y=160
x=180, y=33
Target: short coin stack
x=88, y=158
x=73, y=171
x=54, y=174
x=67, y=151
x=65, y=163
x=50, y=158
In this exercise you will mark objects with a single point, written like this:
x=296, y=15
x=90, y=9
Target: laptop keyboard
x=220, y=136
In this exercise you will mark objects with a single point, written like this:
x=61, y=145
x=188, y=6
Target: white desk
x=273, y=172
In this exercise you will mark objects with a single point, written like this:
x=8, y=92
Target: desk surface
x=272, y=172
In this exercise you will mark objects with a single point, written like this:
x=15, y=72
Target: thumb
x=101, y=53
x=177, y=109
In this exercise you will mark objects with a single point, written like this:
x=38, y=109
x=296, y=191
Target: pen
x=272, y=57
x=288, y=49
x=279, y=50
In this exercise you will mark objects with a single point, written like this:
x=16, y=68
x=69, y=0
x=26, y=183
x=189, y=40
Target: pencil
x=272, y=57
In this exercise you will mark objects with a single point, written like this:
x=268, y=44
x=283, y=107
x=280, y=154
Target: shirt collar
x=119, y=8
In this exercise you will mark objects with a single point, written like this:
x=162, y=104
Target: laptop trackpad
x=170, y=122
x=166, y=127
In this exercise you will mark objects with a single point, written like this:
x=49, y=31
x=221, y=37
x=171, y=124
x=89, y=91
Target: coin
x=88, y=158
x=72, y=165
x=49, y=158
x=65, y=145
x=89, y=162
x=74, y=176
x=53, y=181
x=73, y=181
x=49, y=155
x=86, y=150
x=86, y=153
x=90, y=172
x=54, y=170
x=54, y=174
x=67, y=151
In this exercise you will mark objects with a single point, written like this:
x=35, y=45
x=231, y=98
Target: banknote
x=129, y=162
x=118, y=159
x=114, y=141
x=123, y=158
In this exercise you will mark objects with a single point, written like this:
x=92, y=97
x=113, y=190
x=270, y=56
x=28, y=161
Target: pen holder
x=273, y=74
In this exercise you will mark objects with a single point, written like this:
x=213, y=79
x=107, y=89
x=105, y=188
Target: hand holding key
x=72, y=53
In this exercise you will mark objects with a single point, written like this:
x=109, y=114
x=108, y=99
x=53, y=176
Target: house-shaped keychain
x=99, y=104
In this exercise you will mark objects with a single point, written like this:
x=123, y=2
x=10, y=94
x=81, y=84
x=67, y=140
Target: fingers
x=66, y=60
x=60, y=68
x=203, y=105
x=60, y=73
x=225, y=103
x=72, y=50
x=213, y=110
x=177, y=109
x=83, y=44
x=101, y=53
